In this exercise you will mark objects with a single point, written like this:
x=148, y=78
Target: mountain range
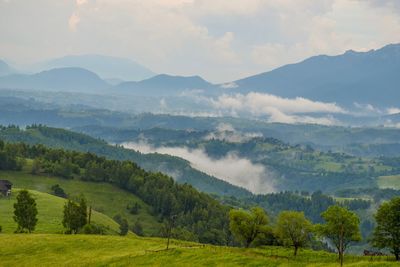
x=164, y=84
x=5, y=69
x=61, y=79
x=106, y=67
x=354, y=77
x=371, y=77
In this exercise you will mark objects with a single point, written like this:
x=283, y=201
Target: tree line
x=339, y=225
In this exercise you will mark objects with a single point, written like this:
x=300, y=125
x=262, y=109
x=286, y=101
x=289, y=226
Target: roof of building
x=5, y=185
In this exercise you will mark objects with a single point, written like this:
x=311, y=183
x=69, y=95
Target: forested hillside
x=178, y=168
x=197, y=216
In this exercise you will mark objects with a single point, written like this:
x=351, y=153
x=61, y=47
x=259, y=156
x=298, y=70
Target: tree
x=246, y=226
x=293, y=229
x=58, y=191
x=342, y=227
x=123, y=227
x=75, y=216
x=387, y=232
x=138, y=228
x=25, y=212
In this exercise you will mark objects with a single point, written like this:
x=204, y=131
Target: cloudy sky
x=220, y=40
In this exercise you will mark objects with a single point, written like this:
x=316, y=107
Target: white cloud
x=393, y=110
x=231, y=168
x=81, y=2
x=263, y=103
x=221, y=40
x=278, y=109
x=226, y=132
x=229, y=85
x=73, y=22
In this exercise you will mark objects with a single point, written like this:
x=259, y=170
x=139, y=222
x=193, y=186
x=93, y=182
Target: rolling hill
x=67, y=250
x=60, y=79
x=50, y=214
x=103, y=197
x=178, y=168
x=106, y=67
x=364, y=77
x=164, y=85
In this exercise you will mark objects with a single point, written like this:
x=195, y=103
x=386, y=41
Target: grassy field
x=392, y=181
x=50, y=212
x=103, y=197
x=80, y=250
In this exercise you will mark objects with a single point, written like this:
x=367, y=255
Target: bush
x=123, y=227
x=0, y=229
x=134, y=208
x=58, y=191
x=93, y=229
x=137, y=228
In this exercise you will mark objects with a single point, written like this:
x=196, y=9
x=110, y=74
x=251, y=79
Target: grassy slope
x=64, y=250
x=50, y=212
x=103, y=197
x=392, y=181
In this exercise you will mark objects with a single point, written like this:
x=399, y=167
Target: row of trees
x=76, y=218
x=340, y=226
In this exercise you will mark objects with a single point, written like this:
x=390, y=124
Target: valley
x=199, y=133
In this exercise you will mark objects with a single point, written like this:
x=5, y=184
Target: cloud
x=231, y=168
x=393, y=5
x=220, y=40
x=393, y=110
x=277, y=108
x=229, y=85
x=73, y=22
x=226, y=132
x=81, y=2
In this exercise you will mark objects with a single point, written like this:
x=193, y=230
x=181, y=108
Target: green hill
x=178, y=168
x=103, y=197
x=50, y=214
x=80, y=250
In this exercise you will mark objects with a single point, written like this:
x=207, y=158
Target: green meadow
x=103, y=197
x=391, y=181
x=50, y=214
x=81, y=250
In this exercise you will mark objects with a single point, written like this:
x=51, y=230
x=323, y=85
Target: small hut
x=5, y=188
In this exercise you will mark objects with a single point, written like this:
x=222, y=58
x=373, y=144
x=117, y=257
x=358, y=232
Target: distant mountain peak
x=5, y=69
x=58, y=79
x=107, y=67
x=370, y=77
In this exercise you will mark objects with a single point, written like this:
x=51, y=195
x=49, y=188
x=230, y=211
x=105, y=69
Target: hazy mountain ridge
x=106, y=67
x=164, y=84
x=5, y=69
x=365, y=77
x=60, y=79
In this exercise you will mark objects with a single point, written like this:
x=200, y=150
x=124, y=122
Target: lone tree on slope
x=25, y=212
x=387, y=231
x=342, y=227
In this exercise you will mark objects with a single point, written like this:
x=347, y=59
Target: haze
x=219, y=40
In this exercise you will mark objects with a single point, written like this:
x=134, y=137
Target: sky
x=220, y=40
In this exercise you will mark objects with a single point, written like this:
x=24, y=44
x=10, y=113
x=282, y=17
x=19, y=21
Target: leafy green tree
x=25, y=212
x=75, y=216
x=123, y=227
x=342, y=227
x=138, y=228
x=387, y=232
x=246, y=226
x=293, y=229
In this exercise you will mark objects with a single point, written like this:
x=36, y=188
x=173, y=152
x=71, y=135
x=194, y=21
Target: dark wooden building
x=5, y=188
